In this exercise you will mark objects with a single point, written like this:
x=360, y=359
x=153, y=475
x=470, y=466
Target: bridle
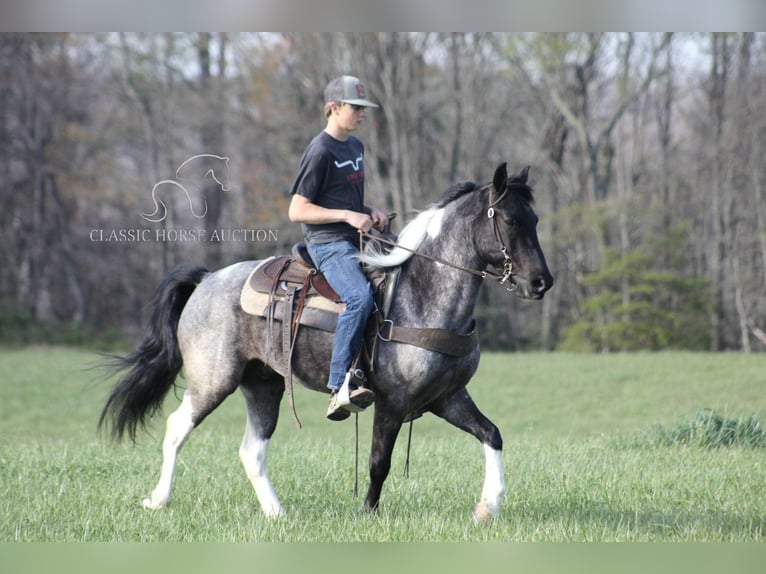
x=503, y=278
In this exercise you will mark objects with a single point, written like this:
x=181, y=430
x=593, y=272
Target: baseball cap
x=347, y=89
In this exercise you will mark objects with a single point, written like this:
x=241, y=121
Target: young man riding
x=328, y=200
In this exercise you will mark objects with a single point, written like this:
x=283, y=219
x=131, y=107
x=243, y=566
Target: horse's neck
x=432, y=294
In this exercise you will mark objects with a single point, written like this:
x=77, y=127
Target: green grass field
x=579, y=461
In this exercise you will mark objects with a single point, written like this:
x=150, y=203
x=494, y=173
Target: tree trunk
x=456, y=41
x=212, y=133
x=717, y=254
x=79, y=302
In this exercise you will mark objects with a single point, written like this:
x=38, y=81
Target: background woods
x=647, y=155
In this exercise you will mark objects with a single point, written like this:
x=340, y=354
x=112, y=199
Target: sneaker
x=342, y=405
x=335, y=411
x=361, y=397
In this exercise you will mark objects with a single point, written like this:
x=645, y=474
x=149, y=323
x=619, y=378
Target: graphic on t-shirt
x=353, y=163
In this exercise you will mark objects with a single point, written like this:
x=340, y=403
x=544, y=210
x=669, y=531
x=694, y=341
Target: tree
x=212, y=128
x=663, y=310
x=40, y=260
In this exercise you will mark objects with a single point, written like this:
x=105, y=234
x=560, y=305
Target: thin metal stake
x=407, y=461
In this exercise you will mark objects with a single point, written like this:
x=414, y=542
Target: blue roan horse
x=197, y=323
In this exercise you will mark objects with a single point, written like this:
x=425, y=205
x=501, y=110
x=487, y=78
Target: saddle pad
x=318, y=311
x=255, y=303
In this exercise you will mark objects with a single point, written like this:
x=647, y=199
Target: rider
x=328, y=200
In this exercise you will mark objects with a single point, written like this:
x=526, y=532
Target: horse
x=442, y=256
x=200, y=166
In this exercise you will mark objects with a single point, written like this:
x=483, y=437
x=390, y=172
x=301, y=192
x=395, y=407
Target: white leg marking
x=178, y=427
x=253, y=453
x=494, y=486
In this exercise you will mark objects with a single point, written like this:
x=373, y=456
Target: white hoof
x=150, y=504
x=275, y=513
x=482, y=513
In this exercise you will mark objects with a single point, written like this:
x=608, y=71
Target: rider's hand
x=379, y=219
x=360, y=221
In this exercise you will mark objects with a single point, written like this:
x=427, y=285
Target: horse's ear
x=501, y=177
x=521, y=177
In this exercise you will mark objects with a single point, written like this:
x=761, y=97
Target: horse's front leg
x=385, y=429
x=460, y=410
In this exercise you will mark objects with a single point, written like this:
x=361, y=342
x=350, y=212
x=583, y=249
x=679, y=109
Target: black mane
x=522, y=189
x=461, y=188
x=456, y=191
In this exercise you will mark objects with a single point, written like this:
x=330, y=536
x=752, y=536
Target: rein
x=503, y=277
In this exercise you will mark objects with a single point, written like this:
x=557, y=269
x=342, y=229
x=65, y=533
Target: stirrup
x=344, y=393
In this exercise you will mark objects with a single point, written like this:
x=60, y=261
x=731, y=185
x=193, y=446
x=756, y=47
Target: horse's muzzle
x=535, y=288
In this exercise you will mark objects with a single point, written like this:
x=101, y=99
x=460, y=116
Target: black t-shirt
x=331, y=174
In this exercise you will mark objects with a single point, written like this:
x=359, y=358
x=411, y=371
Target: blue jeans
x=344, y=274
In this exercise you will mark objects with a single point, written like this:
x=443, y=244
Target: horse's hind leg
x=179, y=426
x=206, y=389
x=263, y=391
x=460, y=410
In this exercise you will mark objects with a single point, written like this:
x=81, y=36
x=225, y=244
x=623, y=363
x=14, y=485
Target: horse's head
x=511, y=245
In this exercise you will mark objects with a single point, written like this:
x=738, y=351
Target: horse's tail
x=155, y=363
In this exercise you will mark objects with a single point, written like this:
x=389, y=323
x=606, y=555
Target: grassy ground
x=578, y=464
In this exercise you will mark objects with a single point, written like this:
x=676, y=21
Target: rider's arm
x=303, y=210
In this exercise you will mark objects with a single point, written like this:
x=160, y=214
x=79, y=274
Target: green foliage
x=642, y=300
x=18, y=327
x=710, y=429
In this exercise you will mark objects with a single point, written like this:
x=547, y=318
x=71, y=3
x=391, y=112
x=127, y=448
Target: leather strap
x=287, y=350
x=299, y=308
x=439, y=340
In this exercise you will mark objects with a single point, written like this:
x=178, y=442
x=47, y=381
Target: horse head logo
x=200, y=167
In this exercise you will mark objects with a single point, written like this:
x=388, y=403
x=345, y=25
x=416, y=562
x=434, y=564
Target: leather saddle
x=295, y=271
x=295, y=277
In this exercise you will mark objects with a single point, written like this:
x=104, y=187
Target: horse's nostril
x=539, y=285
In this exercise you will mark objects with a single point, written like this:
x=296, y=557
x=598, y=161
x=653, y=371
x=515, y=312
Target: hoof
x=482, y=513
x=149, y=504
x=275, y=513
